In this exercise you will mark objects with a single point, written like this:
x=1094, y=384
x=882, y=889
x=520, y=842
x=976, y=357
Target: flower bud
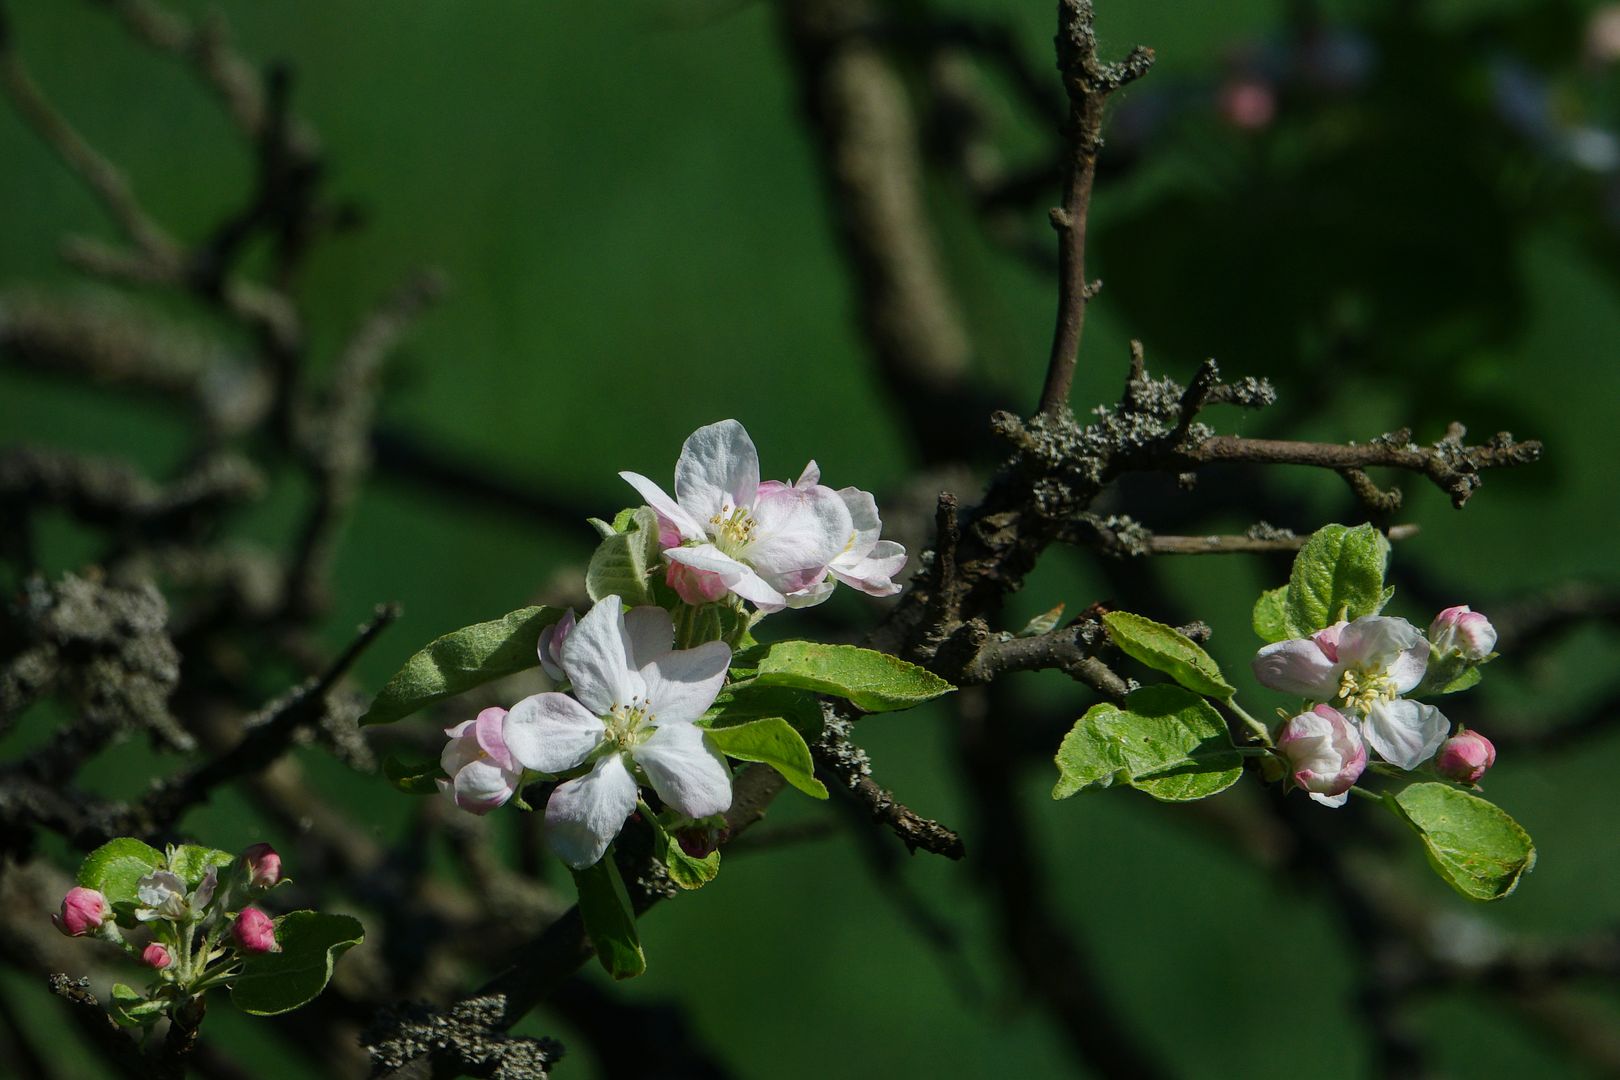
x=263, y=866
x=254, y=932
x=482, y=773
x=156, y=956
x=1457, y=629
x=551, y=643
x=83, y=912
x=1324, y=752
x=1465, y=757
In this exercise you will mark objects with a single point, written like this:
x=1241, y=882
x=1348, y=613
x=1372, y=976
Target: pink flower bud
x=83, y=912
x=254, y=932
x=1457, y=629
x=263, y=866
x=1324, y=752
x=156, y=956
x=1465, y=757
x=551, y=643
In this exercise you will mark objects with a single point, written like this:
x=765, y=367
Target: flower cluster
x=623, y=714
x=1360, y=680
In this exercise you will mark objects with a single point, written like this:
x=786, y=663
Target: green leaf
x=1271, y=615
x=1166, y=741
x=130, y=1008
x=420, y=778
x=278, y=982
x=1044, y=623
x=621, y=563
x=1468, y=679
x=114, y=868
x=871, y=681
x=1338, y=574
x=684, y=870
x=604, y=905
x=461, y=660
x=1166, y=649
x=752, y=701
x=1473, y=844
x=191, y=862
x=774, y=742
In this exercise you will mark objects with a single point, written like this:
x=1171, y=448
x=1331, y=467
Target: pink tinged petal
x=1328, y=639
x=550, y=644
x=696, y=587
x=551, y=733
x=718, y=470
x=686, y=771
x=1405, y=733
x=798, y=531
x=487, y=730
x=757, y=591
x=665, y=507
x=481, y=787
x=1298, y=667
x=650, y=632
x=596, y=657
x=462, y=747
x=584, y=815
x=1465, y=757
x=875, y=573
x=810, y=597
x=1373, y=642
x=1323, y=750
x=682, y=685
x=810, y=477
x=738, y=577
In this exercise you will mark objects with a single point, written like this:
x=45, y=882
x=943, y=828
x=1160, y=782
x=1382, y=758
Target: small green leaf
x=1338, y=574
x=191, y=862
x=684, y=870
x=1467, y=680
x=1166, y=741
x=1474, y=845
x=1166, y=649
x=871, y=681
x=621, y=563
x=114, y=868
x=278, y=982
x=130, y=1008
x=1043, y=623
x=1271, y=615
x=413, y=779
x=774, y=742
x=752, y=701
x=461, y=660
x=604, y=905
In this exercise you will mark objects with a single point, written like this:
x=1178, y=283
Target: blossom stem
x=1262, y=733
x=1365, y=794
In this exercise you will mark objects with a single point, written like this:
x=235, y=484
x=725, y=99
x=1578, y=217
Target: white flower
x=771, y=544
x=482, y=774
x=1367, y=665
x=1324, y=754
x=631, y=720
x=867, y=563
x=162, y=895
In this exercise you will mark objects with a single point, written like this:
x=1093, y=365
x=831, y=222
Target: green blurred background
x=629, y=213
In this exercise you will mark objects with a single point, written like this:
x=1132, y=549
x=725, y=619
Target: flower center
x=733, y=529
x=629, y=725
x=1361, y=689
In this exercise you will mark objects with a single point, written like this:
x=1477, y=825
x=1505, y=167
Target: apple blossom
x=1458, y=629
x=768, y=544
x=630, y=720
x=254, y=932
x=1366, y=664
x=867, y=562
x=1325, y=754
x=162, y=895
x=550, y=646
x=263, y=866
x=156, y=956
x=482, y=773
x=83, y=912
x=1465, y=757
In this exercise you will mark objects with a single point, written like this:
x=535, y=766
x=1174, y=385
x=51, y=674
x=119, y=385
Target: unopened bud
x=1325, y=754
x=254, y=932
x=156, y=956
x=263, y=866
x=1465, y=757
x=83, y=912
x=1458, y=629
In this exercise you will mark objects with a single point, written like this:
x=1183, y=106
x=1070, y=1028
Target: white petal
x=1408, y=667
x=481, y=787
x=1405, y=733
x=691, y=528
x=875, y=573
x=718, y=470
x=596, y=657
x=1330, y=800
x=1372, y=642
x=585, y=815
x=738, y=577
x=682, y=684
x=1299, y=667
x=687, y=772
x=798, y=531
x=813, y=595
x=863, y=518
x=651, y=633
x=811, y=475
x=551, y=733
